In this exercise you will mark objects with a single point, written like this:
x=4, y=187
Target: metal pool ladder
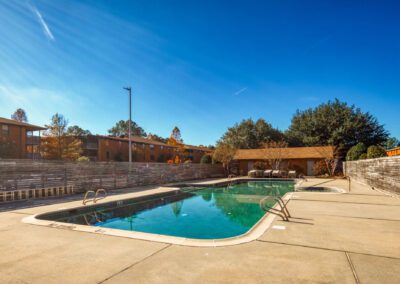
x=283, y=212
x=85, y=198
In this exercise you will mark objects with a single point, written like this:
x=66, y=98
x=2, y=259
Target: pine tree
x=56, y=144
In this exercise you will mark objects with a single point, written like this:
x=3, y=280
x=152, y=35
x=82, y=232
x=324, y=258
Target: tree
x=176, y=140
x=391, y=143
x=375, y=152
x=155, y=137
x=331, y=159
x=206, y=159
x=275, y=156
x=56, y=144
x=356, y=151
x=224, y=153
x=251, y=135
x=176, y=135
x=121, y=129
x=77, y=131
x=20, y=115
x=335, y=123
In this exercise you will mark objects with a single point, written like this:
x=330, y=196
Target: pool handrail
x=283, y=212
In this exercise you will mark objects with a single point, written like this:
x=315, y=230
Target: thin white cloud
x=43, y=23
x=40, y=103
x=240, y=91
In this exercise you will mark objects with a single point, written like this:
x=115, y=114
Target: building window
x=107, y=155
x=143, y=146
x=152, y=157
x=4, y=130
x=161, y=147
x=151, y=146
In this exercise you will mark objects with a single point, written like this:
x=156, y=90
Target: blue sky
x=200, y=65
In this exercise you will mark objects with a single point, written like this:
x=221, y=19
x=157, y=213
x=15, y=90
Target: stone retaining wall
x=382, y=173
x=28, y=174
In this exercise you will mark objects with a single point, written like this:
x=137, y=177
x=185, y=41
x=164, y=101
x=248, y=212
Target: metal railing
x=283, y=212
x=95, y=198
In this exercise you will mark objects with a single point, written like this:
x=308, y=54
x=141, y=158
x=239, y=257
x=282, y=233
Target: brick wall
x=23, y=174
x=382, y=173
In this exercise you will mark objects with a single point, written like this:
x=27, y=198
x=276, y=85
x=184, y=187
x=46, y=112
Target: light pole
x=129, y=89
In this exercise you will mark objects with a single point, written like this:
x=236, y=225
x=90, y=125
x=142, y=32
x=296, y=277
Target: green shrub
x=206, y=159
x=376, y=152
x=83, y=159
x=355, y=152
x=363, y=156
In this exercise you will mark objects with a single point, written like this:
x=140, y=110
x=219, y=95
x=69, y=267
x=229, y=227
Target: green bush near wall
x=356, y=151
x=363, y=156
x=375, y=152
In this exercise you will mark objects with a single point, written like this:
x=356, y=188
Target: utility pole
x=129, y=89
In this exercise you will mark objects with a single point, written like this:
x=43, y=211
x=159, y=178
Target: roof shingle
x=285, y=153
x=23, y=124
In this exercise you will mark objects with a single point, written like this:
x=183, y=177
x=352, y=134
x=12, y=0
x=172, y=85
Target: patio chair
x=259, y=173
x=292, y=174
x=276, y=173
x=252, y=173
x=267, y=173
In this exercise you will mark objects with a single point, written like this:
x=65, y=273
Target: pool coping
x=256, y=231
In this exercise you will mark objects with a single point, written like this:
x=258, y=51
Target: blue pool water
x=201, y=213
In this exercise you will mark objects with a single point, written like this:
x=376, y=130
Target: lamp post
x=129, y=89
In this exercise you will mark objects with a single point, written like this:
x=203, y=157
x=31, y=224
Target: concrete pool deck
x=333, y=238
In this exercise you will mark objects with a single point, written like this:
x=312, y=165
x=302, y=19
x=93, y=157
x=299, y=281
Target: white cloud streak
x=240, y=91
x=43, y=23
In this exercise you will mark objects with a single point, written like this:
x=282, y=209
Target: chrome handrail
x=86, y=195
x=283, y=213
x=97, y=193
x=95, y=198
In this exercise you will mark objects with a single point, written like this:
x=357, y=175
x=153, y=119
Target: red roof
x=28, y=126
x=136, y=139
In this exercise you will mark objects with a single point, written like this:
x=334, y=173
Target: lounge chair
x=276, y=173
x=252, y=173
x=267, y=173
x=292, y=174
x=259, y=173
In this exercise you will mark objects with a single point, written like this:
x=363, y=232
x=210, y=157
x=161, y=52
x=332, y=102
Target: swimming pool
x=212, y=212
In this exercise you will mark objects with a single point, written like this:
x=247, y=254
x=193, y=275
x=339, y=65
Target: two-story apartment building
x=18, y=139
x=108, y=148
x=143, y=149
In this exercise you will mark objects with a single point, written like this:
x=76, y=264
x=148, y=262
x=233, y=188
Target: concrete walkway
x=333, y=238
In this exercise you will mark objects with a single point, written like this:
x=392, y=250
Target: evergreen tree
x=20, y=115
x=77, y=131
x=335, y=123
x=121, y=129
x=250, y=135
